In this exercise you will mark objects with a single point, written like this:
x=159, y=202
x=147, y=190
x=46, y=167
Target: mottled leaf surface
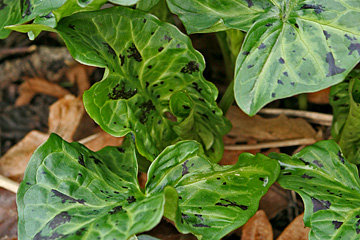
x=292, y=47
x=70, y=192
x=212, y=199
x=313, y=46
x=146, y=5
x=345, y=99
x=329, y=186
x=210, y=16
x=146, y=62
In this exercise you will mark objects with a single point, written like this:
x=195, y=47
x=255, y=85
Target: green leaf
x=146, y=62
x=146, y=5
x=71, y=192
x=210, y=16
x=329, y=186
x=9, y=14
x=311, y=48
x=345, y=99
x=292, y=47
x=124, y=2
x=213, y=200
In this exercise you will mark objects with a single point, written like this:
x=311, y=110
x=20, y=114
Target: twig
x=8, y=184
x=274, y=144
x=11, y=51
x=313, y=117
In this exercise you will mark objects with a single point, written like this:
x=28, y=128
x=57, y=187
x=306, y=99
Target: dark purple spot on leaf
x=145, y=110
x=27, y=183
x=281, y=60
x=318, y=163
x=354, y=47
x=116, y=210
x=131, y=199
x=191, y=67
x=185, y=107
x=184, y=216
x=268, y=25
x=65, y=198
x=160, y=49
x=320, y=204
x=27, y=11
x=337, y=224
x=286, y=74
x=292, y=84
x=296, y=25
x=110, y=49
x=96, y=161
x=246, y=53
x=199, y=216
x=144, y=21
x=167, y=38
x=333, y=69
x=122, y=60
x=119, y=92
x=59, y=219
x=71, y=26
x=80, y=174
x=287, y=173
x=134, y=53
x=80, y=232
x=120, y=149
x=185, y=169
x=196, y=87
x=262, y=46
x=250, y=3
x=317, y=8
x=341, y=157
x=307, y=176
x=273, y=95
x=178, y=46
x=348, y=37
x=150, y=66
x=200, y=224
x=305, y=162
x=280, y=82
x=231, y=204
x=250, y=66
x=327, y=35
x=81, y=160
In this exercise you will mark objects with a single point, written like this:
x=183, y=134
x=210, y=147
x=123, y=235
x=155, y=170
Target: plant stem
x=228, y=98
x=227, y=55
x=302, y=101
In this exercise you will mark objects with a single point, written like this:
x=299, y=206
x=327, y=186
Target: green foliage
x=71, y=192
x=212, y=199
x=345, y=99
x=148, y=62
x=291, y=46
x=329, y=186
x=153, y=90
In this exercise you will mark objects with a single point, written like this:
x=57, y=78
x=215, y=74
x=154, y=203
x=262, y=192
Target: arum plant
x=153, y=91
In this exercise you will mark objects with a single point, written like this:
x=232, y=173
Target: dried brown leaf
x=14, y=161
x=100, y=140
x=65, y=116
x=266, y=129
x=296, y=230
x=257, y=228
x=274, y=201
x=35, y=85
x=320, y=97
x=8, y=215
x=79, y=75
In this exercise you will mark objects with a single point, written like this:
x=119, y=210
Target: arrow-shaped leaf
x=212, y=200
x=147, y=61
x=292, y=47
x=71, y=192
x=329, y=186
